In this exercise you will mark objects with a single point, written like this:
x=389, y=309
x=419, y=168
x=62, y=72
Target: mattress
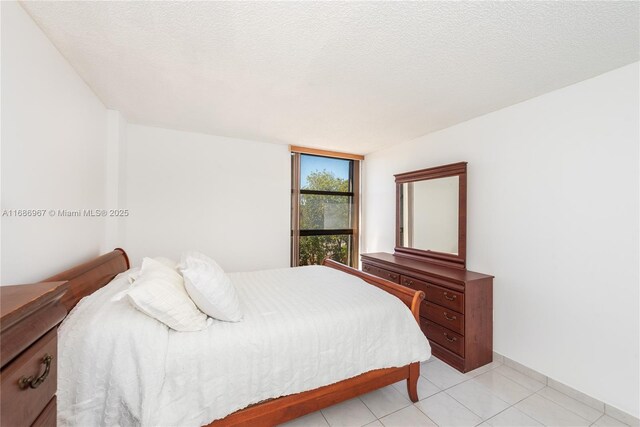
x=303, y=328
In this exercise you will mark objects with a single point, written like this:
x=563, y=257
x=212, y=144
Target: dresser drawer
x=445, y=297
x=443, y=336
x=381, y=272
x=47, y=418
x=21, y=406
x=418, y=285
x=443, y=316
x=410, y=282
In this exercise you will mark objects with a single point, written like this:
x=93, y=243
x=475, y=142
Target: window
x=324, y=210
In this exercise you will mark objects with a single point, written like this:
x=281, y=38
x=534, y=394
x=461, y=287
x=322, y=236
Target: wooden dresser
x=457, y=313
x=30, y=315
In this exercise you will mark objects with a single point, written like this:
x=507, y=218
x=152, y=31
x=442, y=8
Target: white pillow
x=166, y=261
x=209, y=287
x=159, y=292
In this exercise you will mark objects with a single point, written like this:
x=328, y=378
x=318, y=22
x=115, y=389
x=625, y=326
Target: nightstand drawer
x=381, y=272
x=445, y=297
x=24, y=400
x=443, y=316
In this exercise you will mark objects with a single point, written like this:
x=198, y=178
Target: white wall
x=228, y=198
x=53, y=145
x=115, y=180
x=553, y=214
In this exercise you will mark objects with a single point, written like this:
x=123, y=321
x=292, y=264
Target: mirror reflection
x=429, y=212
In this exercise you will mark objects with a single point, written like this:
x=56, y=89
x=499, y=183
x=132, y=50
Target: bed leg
x=412, y=381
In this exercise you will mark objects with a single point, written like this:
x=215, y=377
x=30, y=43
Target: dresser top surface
x=18, y=301
x=426, y=267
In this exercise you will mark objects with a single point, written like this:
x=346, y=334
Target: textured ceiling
x=337, y=75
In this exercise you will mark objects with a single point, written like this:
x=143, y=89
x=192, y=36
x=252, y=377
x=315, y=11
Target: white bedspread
x=303, y=328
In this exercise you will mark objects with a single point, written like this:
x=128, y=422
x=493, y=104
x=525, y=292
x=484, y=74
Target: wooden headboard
x=87, y=278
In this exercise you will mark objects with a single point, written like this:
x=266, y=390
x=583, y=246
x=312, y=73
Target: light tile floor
x=494, y=395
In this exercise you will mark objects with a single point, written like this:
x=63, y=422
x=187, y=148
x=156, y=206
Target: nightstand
x=30, y=315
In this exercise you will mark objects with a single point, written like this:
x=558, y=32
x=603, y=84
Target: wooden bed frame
x=86, y=278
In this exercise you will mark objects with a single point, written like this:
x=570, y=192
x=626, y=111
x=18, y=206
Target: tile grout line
x=325, y=418
x=470, y=410
x=393, y=412
x=594, y=423
x=569, y=409
x=532, y=417
x=397, y=410
x=524, y=398
x=506, y=409
x=514, y=405
x=425, y=414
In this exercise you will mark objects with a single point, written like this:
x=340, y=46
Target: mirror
x=431, y=214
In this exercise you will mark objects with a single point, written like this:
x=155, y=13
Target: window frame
x=297, y=192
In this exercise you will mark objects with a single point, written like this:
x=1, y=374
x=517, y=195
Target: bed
x=347, y=338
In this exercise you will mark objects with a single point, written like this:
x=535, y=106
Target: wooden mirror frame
x=454, y=169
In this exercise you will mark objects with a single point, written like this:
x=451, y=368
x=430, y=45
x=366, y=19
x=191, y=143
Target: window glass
x=324, y=212
x=324, y=173
x=314, y=249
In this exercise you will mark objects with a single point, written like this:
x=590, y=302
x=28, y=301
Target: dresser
x=456, y=315
x=30, y=315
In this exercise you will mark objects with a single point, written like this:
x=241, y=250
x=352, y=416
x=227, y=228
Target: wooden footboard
x=277, y=411
x=282, y=409
x=410, y=297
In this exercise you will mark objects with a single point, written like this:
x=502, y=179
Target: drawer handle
x=25, y=382
x=446, y=316
x=408, y=282
x=392, y=276
x=450, y=298
x=450, y=339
